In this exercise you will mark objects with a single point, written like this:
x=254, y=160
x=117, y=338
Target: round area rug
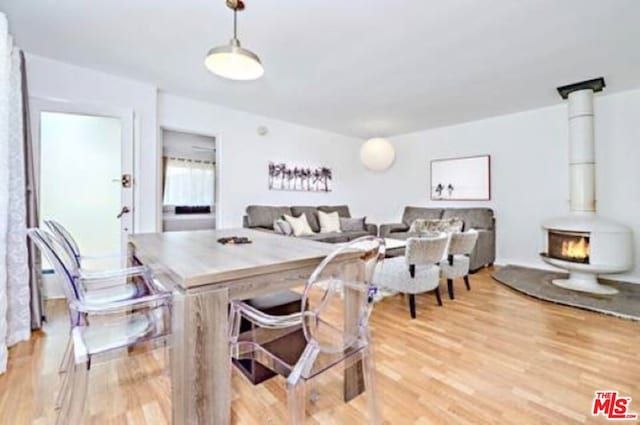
x=537, y=283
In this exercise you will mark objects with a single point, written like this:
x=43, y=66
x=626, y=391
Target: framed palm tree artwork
x=307, y=179
x=461, y=179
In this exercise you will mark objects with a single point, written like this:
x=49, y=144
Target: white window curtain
x=188, y=182
x=15, y=310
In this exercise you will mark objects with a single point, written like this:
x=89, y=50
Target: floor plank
x=491, y=356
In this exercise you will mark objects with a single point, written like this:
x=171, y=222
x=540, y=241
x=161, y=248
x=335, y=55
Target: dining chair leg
x=466, y=282
x=67, y=366
x=412, y=305
x=235, y=320
x=166, y=357
x=72, y=412
x=312, y=389
x=438, y=297
x=296, y=399
x=450, y=289
x=65, y=357
x=369, y=372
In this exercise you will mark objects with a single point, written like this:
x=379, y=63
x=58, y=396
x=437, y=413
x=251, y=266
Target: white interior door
x=84, y=159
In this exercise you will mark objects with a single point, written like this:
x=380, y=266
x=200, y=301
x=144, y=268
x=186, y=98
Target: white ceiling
x=358, y=67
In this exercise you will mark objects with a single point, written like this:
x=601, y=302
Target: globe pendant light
x=232, y=61
x=377, y=154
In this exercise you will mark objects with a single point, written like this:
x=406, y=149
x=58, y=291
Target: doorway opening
x=80, y=169
x=84, y=165
x=189, y=179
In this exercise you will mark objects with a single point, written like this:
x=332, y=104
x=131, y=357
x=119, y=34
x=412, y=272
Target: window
x=188, y=182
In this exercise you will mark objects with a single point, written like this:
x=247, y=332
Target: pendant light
x=377, y=154
x=233, y=61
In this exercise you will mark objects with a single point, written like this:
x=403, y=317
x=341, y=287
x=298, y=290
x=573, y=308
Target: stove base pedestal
x=584, y=282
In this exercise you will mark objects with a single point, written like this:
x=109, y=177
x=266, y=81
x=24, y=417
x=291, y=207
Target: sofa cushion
x=474, y=218
x=352, y=224
x=413, y=213
x=335, y=237
x=312, y=216
x=355, y=234
x=264, y=215
x=343, y=210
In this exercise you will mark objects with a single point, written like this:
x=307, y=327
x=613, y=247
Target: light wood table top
x=195, y=258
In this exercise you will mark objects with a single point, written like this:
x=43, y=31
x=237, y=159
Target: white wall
x=243, y=156
x=53, y=80
x=530, y=173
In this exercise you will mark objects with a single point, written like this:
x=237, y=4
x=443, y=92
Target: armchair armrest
x=102, y=257
x=118, y=277
x=265, y=320
x=386, y=229
x=124, y=306
x=88, y=276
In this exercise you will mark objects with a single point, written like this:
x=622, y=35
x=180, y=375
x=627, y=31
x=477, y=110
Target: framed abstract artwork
x=461, y=179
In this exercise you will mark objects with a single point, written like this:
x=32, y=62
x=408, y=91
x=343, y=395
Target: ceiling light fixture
x=377, y=154
x=231, y=60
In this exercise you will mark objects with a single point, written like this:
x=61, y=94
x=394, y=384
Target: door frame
x=37, y=105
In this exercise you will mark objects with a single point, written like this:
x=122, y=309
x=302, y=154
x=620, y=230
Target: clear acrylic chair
x=100, y=283
x=100, y=326
x=457, y=263
x=88, y=266
x=334, y=317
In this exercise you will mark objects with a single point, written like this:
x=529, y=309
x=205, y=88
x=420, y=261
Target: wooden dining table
x=205, y=276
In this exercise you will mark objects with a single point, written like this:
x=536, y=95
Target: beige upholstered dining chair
x=457, y=263
x=417, y=271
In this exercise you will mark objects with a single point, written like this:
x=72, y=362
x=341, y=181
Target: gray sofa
x=481, y=219
x=261, y=217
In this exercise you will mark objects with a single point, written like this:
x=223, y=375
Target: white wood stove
x=582, y=242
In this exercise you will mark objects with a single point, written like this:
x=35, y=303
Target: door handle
x=123, y=211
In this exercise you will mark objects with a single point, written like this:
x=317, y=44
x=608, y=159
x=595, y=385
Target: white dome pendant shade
x=377, y=154
x=233, y=61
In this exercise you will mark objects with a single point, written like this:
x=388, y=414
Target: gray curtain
x=35, y=266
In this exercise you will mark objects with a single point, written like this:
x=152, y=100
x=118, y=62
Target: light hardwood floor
x=491, y=356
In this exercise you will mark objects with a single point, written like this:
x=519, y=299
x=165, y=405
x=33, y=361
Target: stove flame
x=575, y=249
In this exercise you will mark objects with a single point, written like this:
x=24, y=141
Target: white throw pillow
x=329, y=222
x=299, y=225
